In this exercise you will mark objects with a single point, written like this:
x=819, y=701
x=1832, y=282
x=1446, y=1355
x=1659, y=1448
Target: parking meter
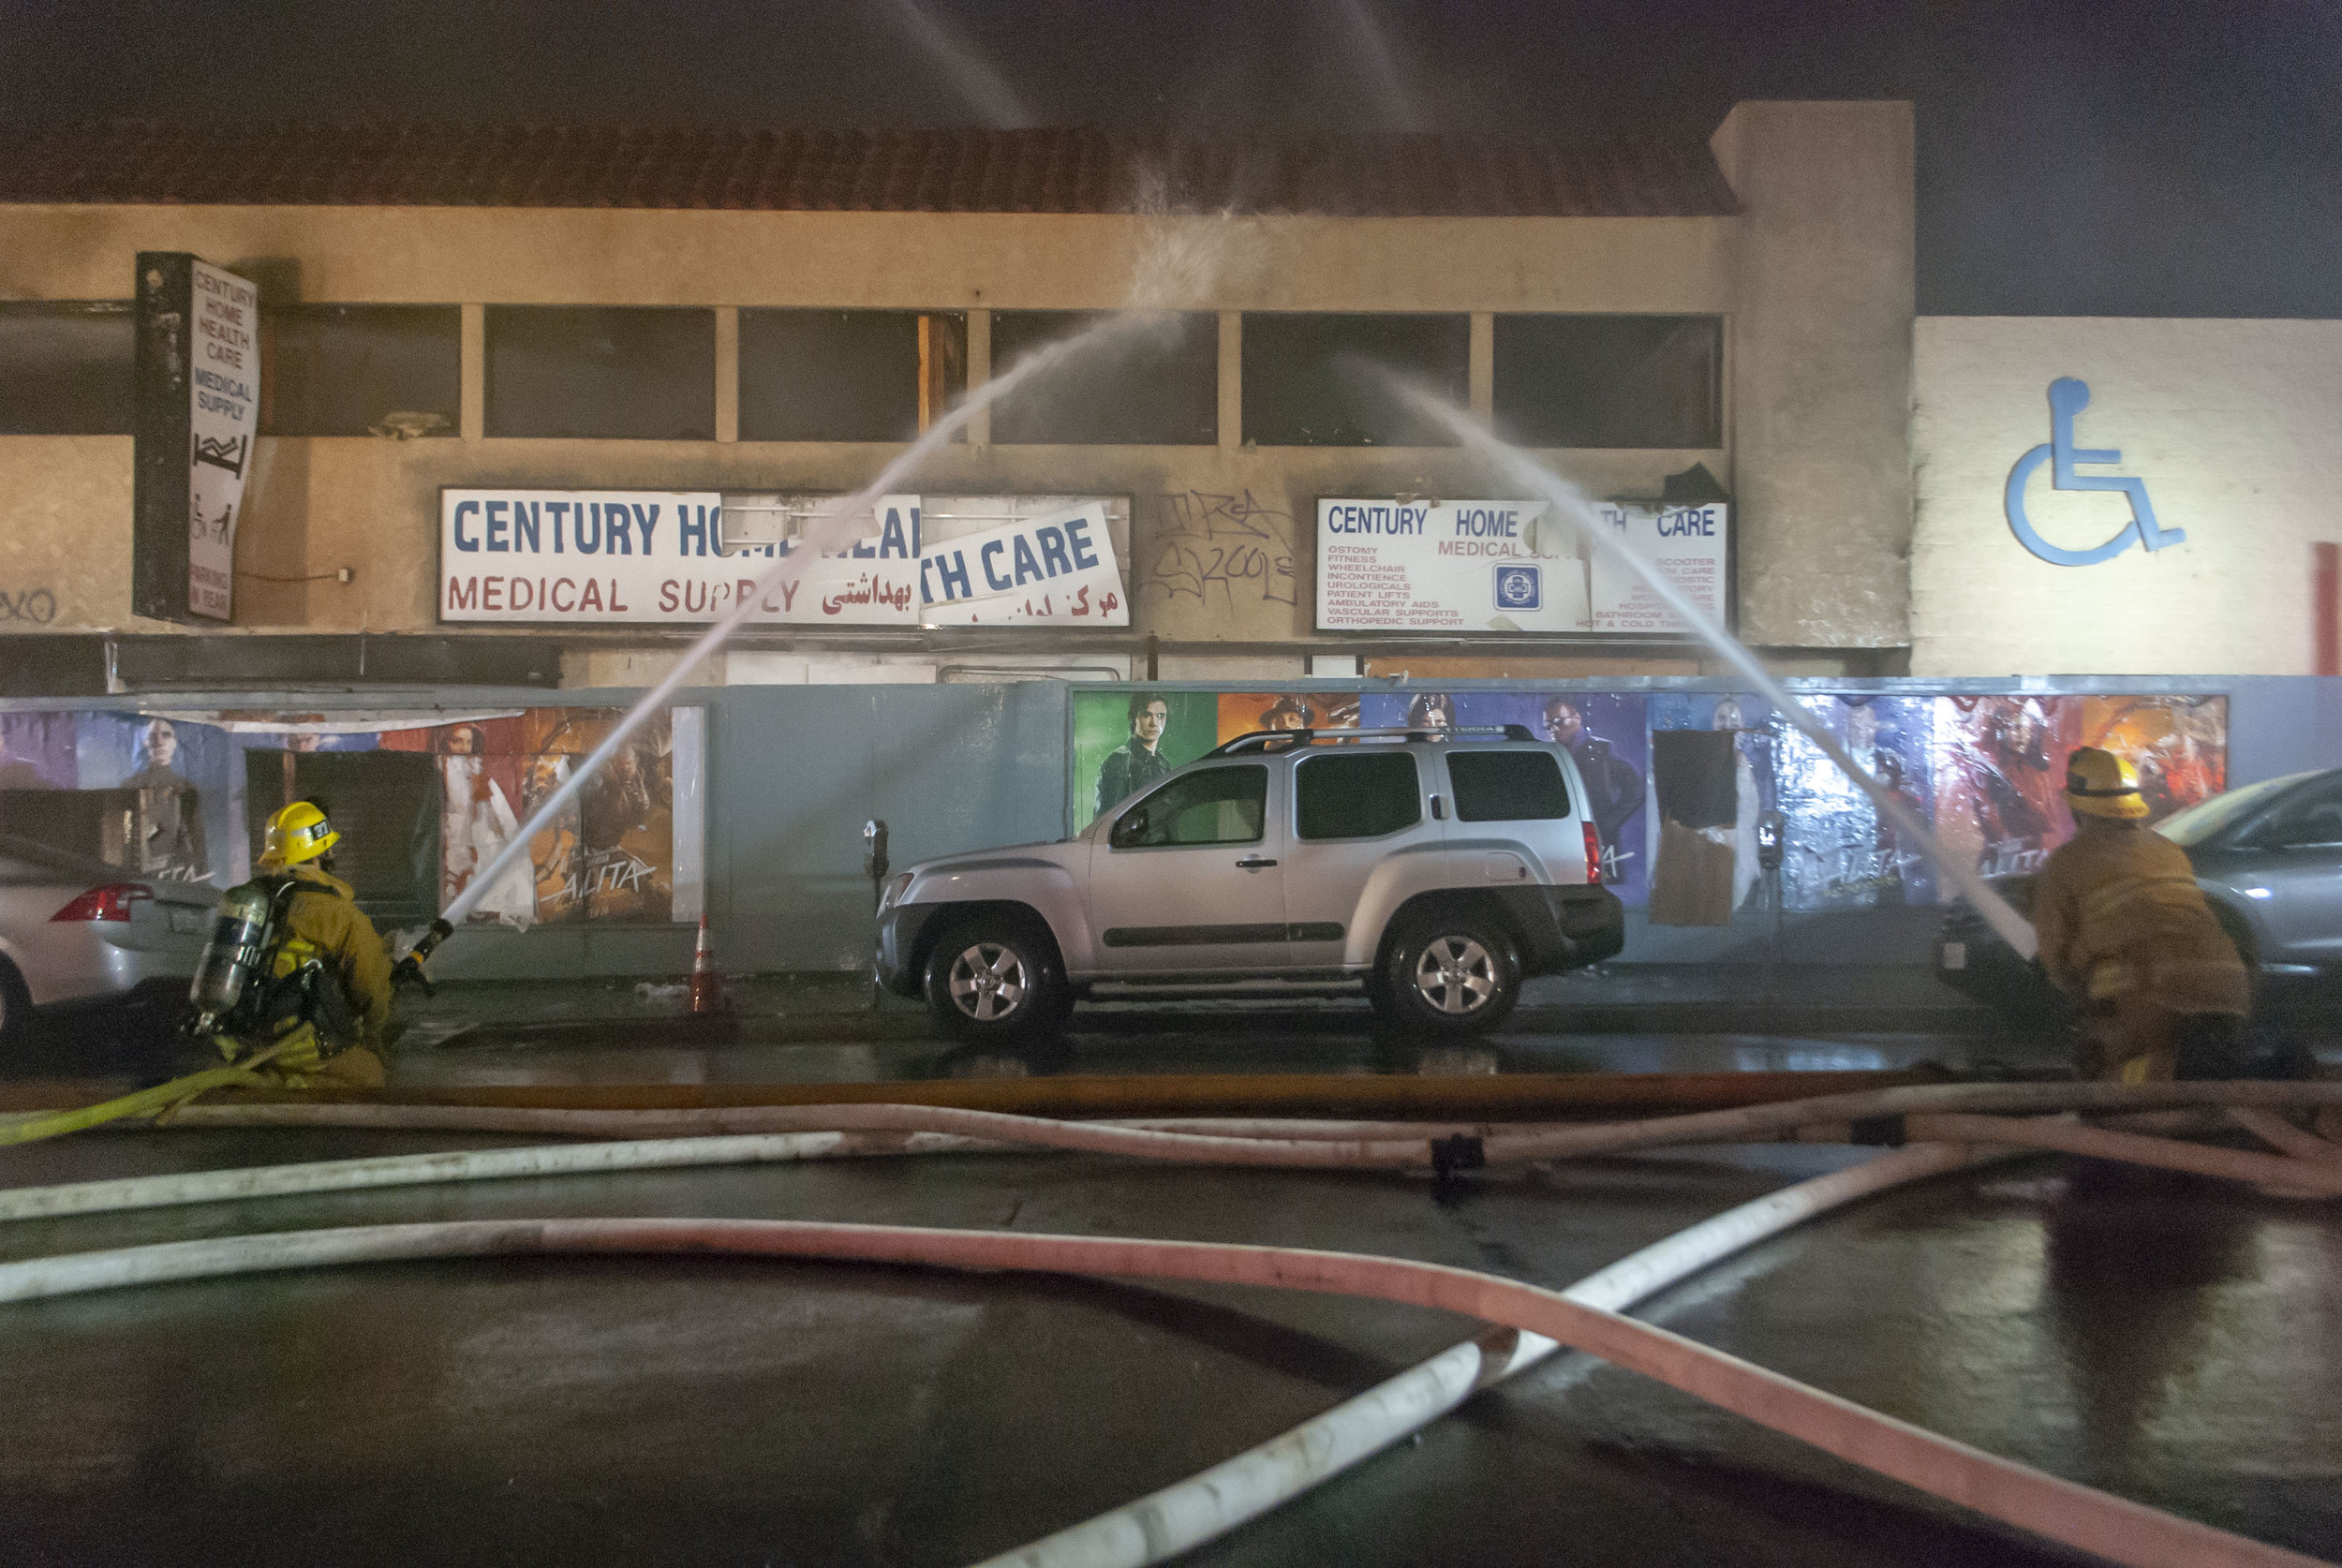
x=1772, y=845
x=874, y=854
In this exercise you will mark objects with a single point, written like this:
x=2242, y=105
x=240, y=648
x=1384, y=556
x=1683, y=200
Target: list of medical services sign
x=638, y=557
x=1509, y=566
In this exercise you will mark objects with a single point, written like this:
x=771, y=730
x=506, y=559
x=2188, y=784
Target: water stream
x=1519, y=468
x=836, y=527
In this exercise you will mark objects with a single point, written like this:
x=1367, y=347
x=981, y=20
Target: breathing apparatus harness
x=239, y=1002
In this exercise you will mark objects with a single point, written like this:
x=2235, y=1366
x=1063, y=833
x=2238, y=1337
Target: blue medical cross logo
x=1517, y=588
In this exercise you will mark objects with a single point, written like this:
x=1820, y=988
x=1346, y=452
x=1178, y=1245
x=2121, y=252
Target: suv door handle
x=1255, y=863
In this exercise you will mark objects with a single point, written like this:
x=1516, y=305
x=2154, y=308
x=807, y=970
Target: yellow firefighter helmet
x=298, y=833
x=2100, y=784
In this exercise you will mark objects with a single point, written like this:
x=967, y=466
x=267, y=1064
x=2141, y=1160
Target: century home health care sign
x=635, y=557
x=1508, y=566
x=197, y=411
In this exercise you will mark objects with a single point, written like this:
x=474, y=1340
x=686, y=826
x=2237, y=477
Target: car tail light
x=1593, y=857
x=107, y=901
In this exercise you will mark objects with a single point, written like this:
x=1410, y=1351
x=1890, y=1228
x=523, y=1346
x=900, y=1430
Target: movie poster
x=1842, y=851
x=1705, y=799
x=2000, y=778
x=1243, y=713
x=1124, y=741
x=2179, y=745
x=607, y=854
x=36, y=751
x=172, y=778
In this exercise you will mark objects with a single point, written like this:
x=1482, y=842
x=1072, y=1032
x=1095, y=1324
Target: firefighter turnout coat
x=2119, y=915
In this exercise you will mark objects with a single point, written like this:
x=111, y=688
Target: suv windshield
x=2206, y=817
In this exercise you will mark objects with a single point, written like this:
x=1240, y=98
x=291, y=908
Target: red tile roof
x=1048, y=170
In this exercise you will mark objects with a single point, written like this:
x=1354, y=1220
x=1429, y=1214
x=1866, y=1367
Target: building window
x=848, y=375
x=1154, y=384
x=64, y=367
x=1308, y=381
x=602, y=372
x=1610, y=381
x=360, y=370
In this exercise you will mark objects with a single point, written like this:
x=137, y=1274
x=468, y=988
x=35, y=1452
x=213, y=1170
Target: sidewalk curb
x=894, y=1025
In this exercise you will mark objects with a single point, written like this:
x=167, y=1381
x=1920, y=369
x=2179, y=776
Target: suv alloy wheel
x=993, y=979
x=1454, y=975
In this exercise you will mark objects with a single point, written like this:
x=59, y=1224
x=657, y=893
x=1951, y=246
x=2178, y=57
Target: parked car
x=1437, y=868
x=76, y=931
x=2268, y=857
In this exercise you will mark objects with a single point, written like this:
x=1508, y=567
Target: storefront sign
x=1444, y=566
x=197, y=414
x=599, y=557
x=1689, y=544
x=1506, y=566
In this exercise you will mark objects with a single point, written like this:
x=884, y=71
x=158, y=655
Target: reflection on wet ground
x=1175, y=1050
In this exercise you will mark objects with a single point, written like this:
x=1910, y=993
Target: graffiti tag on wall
x=1223, y=551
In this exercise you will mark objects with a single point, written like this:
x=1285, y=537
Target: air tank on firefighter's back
x=240, y=941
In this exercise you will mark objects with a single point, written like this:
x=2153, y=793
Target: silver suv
x=1438, y=867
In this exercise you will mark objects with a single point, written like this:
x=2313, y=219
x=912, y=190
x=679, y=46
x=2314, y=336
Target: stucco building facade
x=1789, y=236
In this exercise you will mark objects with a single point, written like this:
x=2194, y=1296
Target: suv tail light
x=1593, y=857
x=107, y=901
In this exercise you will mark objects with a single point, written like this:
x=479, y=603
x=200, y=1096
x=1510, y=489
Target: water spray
x=1520, y=468
x=831, y=528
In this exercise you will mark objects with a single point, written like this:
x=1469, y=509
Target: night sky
x=2136, y=159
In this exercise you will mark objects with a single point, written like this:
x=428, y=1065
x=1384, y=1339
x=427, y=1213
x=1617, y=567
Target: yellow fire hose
x=146, y=1102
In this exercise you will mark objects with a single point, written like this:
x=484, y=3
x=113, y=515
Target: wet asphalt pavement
x=2168, y=1339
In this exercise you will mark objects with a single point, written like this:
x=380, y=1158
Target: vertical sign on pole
x=197, y=364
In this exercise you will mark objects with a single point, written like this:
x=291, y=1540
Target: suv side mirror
x=1131, y=828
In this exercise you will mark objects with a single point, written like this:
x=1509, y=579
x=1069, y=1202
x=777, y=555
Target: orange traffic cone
x=707, y=991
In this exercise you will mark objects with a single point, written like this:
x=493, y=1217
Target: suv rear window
x=1507, y=785
x=1359, y=796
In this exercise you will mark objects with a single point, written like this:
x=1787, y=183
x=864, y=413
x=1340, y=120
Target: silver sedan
x=80, y=931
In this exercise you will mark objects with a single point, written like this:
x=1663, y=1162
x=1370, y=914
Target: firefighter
x=2126, y=932
x=294, y=961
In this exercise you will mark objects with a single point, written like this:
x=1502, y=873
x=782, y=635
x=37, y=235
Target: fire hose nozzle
x=409, y=969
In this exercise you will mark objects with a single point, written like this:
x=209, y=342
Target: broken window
x=360, y=370
x=1155, y=382
x=848, y=375
x=602, y=372
x=1310, y=381
x=1610, y=381
x=64, y=367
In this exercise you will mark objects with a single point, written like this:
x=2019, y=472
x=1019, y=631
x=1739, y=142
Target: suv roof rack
x=1280, y=740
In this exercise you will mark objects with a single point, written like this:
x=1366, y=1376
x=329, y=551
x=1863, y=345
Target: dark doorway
x=384, y=805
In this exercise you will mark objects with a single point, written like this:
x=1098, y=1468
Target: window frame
x=1253, y=395
x=1007, y=416
x=489, y=423
x=1504, y=410
x=271, y=316
x=109, y=312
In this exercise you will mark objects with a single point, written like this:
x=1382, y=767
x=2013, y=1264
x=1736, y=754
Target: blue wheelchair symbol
x=2067, y=398
x=1517, y=588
